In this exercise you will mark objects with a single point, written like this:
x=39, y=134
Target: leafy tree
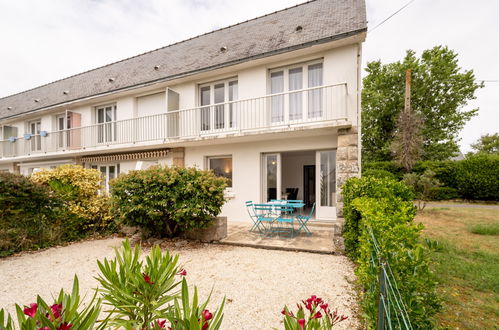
x=487, y=144
x=440, y=89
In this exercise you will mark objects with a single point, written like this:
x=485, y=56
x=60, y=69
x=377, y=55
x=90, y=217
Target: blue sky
x=47, y=40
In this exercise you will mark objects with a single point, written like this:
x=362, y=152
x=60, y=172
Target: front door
x=326, y=184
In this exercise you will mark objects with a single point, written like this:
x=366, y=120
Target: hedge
x=166, y=201
x=30, y=214
x=383, y=208
x=474, y=178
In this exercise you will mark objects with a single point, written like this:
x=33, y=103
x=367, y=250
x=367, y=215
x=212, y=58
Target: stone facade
x=347, y=162
x=178, y=156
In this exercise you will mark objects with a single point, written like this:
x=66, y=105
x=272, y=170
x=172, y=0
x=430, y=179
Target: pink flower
x=65, y=326
x=324, y=306
x=31, y=310
x=161, y=323
x=206, y=315
x=44, y=328
x=317, y=315
x=182, y=272
x=56, y=310
x=301, y=322
x=147, y=279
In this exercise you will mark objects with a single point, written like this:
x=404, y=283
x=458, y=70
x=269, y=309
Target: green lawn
x=465, y=250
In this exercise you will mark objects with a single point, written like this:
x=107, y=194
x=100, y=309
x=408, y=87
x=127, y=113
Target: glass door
x=271, y=179
x=106, y=118
x=36, y=140
x=326, y=184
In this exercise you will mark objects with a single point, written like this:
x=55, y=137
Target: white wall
x=246, y=164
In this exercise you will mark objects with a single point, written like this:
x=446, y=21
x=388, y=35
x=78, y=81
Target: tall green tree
x=440, y=90
x=487, y=144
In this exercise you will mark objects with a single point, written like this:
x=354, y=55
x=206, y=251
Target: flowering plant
x=313, y=313
x=65, y=313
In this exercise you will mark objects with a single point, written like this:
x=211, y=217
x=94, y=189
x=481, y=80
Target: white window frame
x=208, y=113
x=105, y=179
x=35, y=143
x=105, y=131
x=63, y=139
x=286, y=98
x=207, y=167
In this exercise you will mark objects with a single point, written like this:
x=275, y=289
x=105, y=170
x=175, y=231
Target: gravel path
x=257, y=283
x=466, y=206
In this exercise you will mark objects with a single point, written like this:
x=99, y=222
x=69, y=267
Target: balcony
x=300, y=109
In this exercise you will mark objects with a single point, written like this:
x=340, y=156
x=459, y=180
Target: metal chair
x=303, y=219
x=285, y=221
x=265, y=218
x=251, y=212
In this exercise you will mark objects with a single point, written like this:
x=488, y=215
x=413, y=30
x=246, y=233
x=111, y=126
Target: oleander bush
x=383, y=209
x=150, y=293
x=167, y=201
x=80, y=189
x=30, y=214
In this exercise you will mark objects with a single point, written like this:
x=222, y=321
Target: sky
x=43, y=41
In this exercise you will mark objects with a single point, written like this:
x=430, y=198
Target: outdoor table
x=275, y=212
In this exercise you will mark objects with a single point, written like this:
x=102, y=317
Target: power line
x=395, y=13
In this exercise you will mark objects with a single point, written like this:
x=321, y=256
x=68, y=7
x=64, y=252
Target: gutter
x=189, y=73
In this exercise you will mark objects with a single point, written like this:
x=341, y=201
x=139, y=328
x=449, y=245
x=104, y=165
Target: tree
x=440, y=90
x=487, y=144
x=407, y=141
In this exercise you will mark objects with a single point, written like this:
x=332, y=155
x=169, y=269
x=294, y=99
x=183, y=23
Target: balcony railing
x=279, y=111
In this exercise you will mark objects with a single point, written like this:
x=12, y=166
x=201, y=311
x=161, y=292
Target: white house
x=272, y=103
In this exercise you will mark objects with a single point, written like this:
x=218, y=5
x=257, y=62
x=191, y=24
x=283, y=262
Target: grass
x=466, y=264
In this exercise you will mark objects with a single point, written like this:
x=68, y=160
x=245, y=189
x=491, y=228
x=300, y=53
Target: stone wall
x=347, y=162
x=215, y=232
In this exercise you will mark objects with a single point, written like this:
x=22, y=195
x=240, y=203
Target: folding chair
x=265, y=217
x=303, y=219
x=285, y=221
x=251, y=211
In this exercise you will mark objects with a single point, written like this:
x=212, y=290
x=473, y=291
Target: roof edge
x=205, y=69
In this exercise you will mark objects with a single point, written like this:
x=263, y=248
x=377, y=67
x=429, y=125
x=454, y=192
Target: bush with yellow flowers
x=80, y=189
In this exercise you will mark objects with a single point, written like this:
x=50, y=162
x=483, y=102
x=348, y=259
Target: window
x=221, y=166
x=291, y=105
x=63, y=123
x=106, y=120
x=108, y=172
x=34, y=128
x=215, y=114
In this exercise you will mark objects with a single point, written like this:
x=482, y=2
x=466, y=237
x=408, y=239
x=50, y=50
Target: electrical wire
x=395, y=13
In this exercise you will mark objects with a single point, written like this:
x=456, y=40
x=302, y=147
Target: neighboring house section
x=272, y=104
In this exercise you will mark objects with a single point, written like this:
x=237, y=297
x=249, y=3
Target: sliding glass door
x=326, y=184
x=271, y=179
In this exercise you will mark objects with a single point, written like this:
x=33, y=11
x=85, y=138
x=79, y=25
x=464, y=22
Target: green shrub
x=443, y=193
x=30, y=214
x=396, y=242
x=89, y=210
x=381, y=174
x=388, y=166
x=422, y=185
x=445, y=171
x=367, y=187
x=168, y=200
x=477, y=177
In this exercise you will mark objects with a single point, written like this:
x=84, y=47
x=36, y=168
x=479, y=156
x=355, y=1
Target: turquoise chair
x=265, y=217
x=285, y=222
x=251, y=212
x=303, y=219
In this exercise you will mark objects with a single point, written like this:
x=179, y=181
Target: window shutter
x=74, y=134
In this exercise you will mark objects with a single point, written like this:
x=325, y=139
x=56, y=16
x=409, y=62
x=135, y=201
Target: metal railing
x=278, y=111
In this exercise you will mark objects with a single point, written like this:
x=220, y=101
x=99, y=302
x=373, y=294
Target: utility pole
x=407, y=104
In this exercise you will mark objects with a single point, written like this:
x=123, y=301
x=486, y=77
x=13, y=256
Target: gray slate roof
x=321, y=20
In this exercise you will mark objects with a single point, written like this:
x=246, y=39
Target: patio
x=321, y=240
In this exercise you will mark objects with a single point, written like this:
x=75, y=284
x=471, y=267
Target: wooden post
x=407, y=104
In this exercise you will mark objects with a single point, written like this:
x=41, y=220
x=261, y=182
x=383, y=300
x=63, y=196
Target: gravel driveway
x=257, y=283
